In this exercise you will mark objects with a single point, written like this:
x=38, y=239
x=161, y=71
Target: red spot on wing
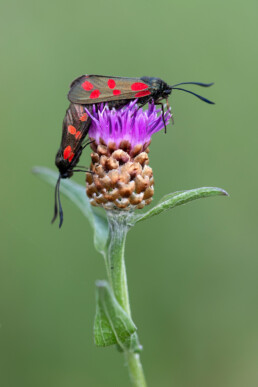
x=95, y=94
x=139, y=86
x=71, y=157
x=116, y=92
x=111, y=83
x=78, y=135
x=87, y=85
x=84, y=117
x=142, y=93
x=67, y=152
x=71, y=129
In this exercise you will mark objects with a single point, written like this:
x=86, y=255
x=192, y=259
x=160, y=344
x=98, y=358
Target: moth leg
x=83, y=170
x=163, y=114
x=145, y=103
x=87, y=143
x=142, y=105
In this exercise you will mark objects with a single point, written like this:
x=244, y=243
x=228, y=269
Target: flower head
x=120, y=138
x=129, y=123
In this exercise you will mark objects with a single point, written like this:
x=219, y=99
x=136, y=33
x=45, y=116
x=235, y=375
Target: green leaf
x=77, y=194
x=169, y=196
x=177, y=198
x=112, y=325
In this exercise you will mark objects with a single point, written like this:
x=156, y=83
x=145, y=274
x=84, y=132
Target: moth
x=117, y=91
x=75, y=128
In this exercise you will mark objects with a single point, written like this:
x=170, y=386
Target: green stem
x=135, y=369
x=115, y=264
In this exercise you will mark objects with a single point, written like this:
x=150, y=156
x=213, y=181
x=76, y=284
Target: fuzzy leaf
x=177, y=198
x=76, y=193
x=112, y=325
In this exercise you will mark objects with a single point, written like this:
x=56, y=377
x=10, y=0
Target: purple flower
x=129, y=123
x=121, y=178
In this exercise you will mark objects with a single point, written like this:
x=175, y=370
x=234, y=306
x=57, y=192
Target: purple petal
x=127, y=123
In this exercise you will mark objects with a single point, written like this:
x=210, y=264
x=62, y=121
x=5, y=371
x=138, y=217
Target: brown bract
x=121, y=178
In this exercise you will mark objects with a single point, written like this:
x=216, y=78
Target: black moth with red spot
x=75, y=128
x=117, y=91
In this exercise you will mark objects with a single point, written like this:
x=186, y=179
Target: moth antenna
x=196, y=95
x=194, y=83
x=61, y=214
x=56, y=202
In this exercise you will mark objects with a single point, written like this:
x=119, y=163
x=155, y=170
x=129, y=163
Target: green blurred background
x=193, y=272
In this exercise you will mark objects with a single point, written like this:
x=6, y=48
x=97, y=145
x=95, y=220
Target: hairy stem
x=115, y=263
